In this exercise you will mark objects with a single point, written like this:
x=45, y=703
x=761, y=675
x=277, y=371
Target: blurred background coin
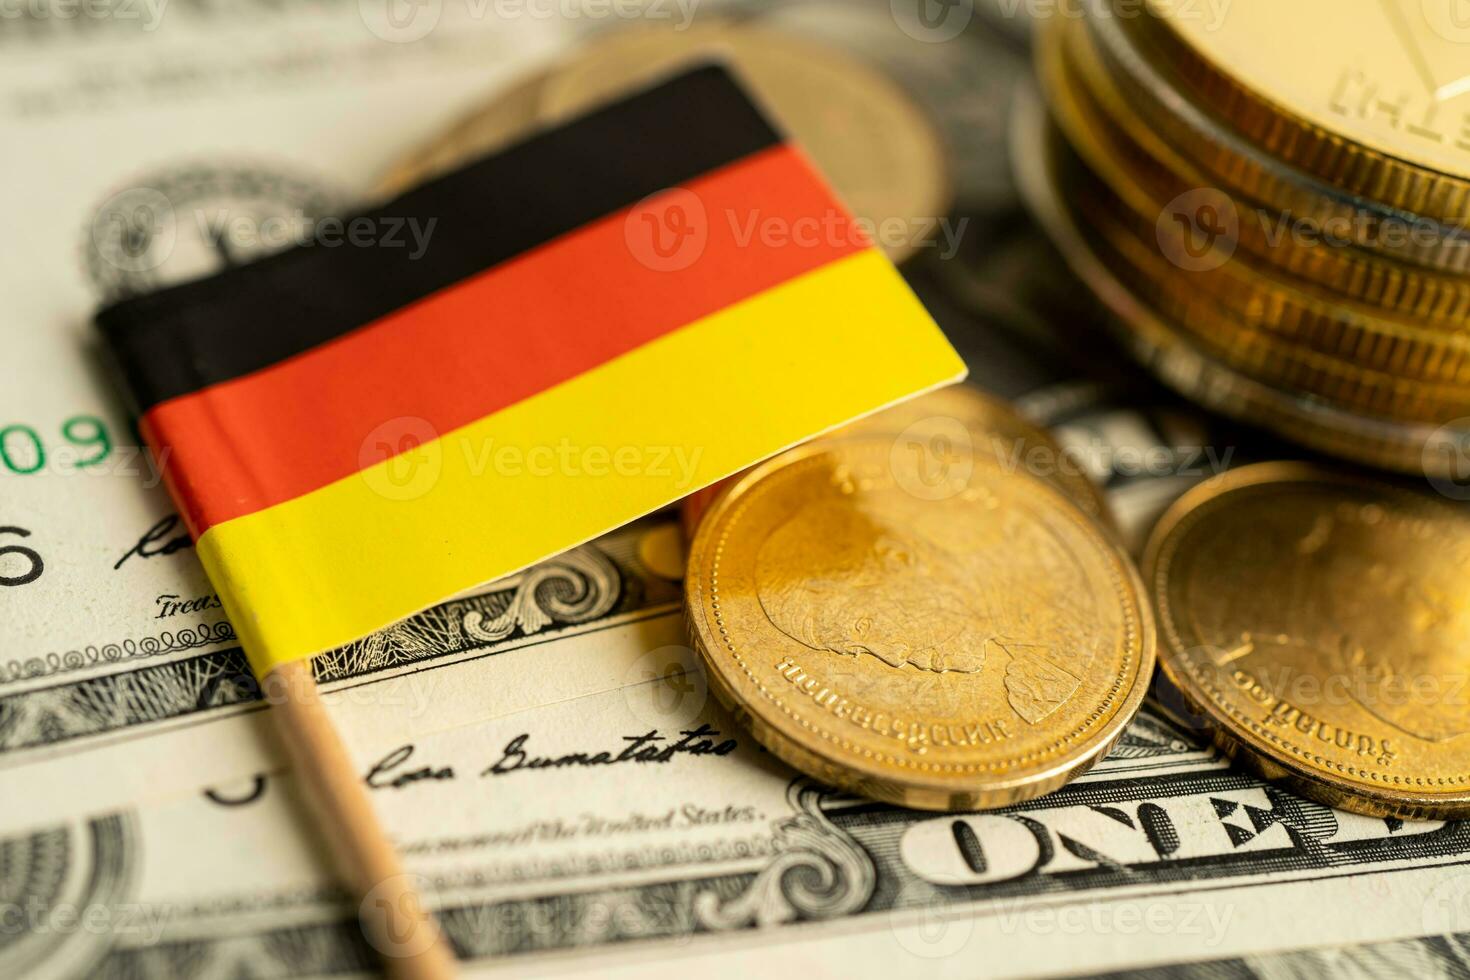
x=883, y=157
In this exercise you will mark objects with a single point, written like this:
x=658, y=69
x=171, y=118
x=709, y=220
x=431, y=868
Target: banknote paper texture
x=650, y=834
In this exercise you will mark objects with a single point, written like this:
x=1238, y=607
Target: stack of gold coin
x=1272, y=200
x=1315, y=620
x=922, y=608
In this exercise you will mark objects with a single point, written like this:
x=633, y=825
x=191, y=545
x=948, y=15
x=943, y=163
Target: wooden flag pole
x=392, y=914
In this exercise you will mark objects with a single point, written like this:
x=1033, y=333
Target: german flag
x=605, y=318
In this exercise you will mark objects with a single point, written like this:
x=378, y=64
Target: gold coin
x=954, y=420
x=880, y=153
x=1149, y=173
x=1372, y=97
x=959, y=643
x=961, y=419
x=662, y=551
x=1248, y=168
x=1166, y=348
x=1266, y=302
x=1369, y=376
x=506, y=117
x=1318, y=620
x=1262, y=341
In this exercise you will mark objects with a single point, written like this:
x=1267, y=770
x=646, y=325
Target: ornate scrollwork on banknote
x=817, y=872
x=678, y=853
x=575, y=587
x=104, y=654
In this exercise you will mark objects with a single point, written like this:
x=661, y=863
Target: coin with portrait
x=1319, y=620
x=955, y=650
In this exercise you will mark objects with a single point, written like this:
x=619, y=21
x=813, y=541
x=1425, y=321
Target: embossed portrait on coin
x=834, y=578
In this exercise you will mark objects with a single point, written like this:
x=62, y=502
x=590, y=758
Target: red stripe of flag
x=494, y=339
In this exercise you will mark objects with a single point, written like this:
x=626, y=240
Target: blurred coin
x=1039, y=346
x=506, y=117
x=1398, y=369
x=880, y=154
x=950, y=423
x=1317, y=618
x=964, y=84
x=945, y=635
x=1262, y=325
x=662, y=551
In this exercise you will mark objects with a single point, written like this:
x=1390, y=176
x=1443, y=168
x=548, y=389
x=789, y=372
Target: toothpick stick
x=392, y=915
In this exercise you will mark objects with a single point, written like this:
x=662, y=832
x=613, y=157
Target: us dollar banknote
x=543, y=750
x=640, y=831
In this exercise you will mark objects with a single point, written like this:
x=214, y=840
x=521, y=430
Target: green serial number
x=87, y=443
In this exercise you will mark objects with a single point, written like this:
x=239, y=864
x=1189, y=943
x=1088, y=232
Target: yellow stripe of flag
x=503, y=492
